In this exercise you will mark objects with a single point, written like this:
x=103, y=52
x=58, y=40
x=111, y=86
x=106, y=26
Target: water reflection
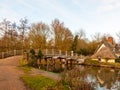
x=56, y=68
x=100, y=78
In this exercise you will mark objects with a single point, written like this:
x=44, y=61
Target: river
x=100, y=78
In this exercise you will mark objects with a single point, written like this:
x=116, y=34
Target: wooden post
x=71, y=53
x=76, y=55
x=66, y=62
x=60, y=61
x=46, y=52
x=70, y=61
x=59, y=52
x=66, y=53
x=46, y=61
x=52, y=51
x=14, y=52
x=53, y=61
x=2, y=54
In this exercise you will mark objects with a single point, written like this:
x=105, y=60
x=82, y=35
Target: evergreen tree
x=74, y=44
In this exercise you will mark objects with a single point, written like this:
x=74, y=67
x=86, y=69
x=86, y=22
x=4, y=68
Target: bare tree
x=62, y=35
x=39, y=34
x=97, y=37
x=5, y=28
x=81, y=34
x=118, y=35
x=23, y=28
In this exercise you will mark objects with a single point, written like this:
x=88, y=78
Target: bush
x=32, y=52
x=117, y=60
x=22, y=62
x=40, y=55
x=33, y=58
x=72, y=80
x=92, y=62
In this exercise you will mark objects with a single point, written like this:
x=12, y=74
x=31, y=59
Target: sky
x=90, y=15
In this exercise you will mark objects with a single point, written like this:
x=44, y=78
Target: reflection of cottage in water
x=107, y=51
x=107, y=79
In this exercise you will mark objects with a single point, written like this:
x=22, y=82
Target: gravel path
x=10, y=75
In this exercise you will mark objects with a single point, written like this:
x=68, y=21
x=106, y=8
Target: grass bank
x=39, y=82
x=102, y=64
x=23, y=66
x=45, y=81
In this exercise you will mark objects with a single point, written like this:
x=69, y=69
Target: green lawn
x=38, y=82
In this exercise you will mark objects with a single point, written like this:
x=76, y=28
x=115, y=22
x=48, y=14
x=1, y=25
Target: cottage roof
x=107, y=51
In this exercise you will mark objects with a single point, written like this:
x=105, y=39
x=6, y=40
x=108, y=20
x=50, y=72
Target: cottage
x=107, y=51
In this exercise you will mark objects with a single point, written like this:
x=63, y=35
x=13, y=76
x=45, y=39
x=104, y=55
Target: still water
x=100, y=78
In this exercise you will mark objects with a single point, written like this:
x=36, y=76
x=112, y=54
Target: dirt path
x=45, y=73
x=10, y=75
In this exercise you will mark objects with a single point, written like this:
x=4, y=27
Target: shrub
x=117, y=60
x=40, y=55
x=92, y=62
x=32, y=52
x=32, y=58
x=71, y=79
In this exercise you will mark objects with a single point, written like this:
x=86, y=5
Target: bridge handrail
x=45, y=52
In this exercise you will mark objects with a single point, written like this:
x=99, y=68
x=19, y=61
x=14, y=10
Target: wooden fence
x=10, y=53
x=52, y=52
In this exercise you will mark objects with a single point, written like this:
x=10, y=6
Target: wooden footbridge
x=62, y=56
x=50, y=55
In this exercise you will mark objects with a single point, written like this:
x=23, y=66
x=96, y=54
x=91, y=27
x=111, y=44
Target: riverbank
x=101, y=64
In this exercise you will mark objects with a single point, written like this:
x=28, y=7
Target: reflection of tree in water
x=102, y=77
x=87, y=78
x=75, y=79
x=57, y=67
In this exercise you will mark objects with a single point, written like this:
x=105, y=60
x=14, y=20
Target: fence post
x=59, y=52
x=71, y=53
x=52, y=51
x=14, y=52
x=46, y=51
x=2, y=54
x=66, y=53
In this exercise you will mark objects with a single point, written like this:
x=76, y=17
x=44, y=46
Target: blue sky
x=90, y=15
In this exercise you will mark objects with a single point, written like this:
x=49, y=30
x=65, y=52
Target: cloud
x=106, y=8
x=59, y=8
x=25, y=4
x=108, y=5
x=107, y=1
x=7, y=12
x=76, y=2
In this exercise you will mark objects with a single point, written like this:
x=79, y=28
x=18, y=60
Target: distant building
x=107, y=51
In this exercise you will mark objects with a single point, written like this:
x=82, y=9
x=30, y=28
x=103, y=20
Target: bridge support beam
x=46, y=61
x=60, y=60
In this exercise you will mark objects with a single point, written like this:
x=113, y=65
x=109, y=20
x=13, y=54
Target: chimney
x=110, y=40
